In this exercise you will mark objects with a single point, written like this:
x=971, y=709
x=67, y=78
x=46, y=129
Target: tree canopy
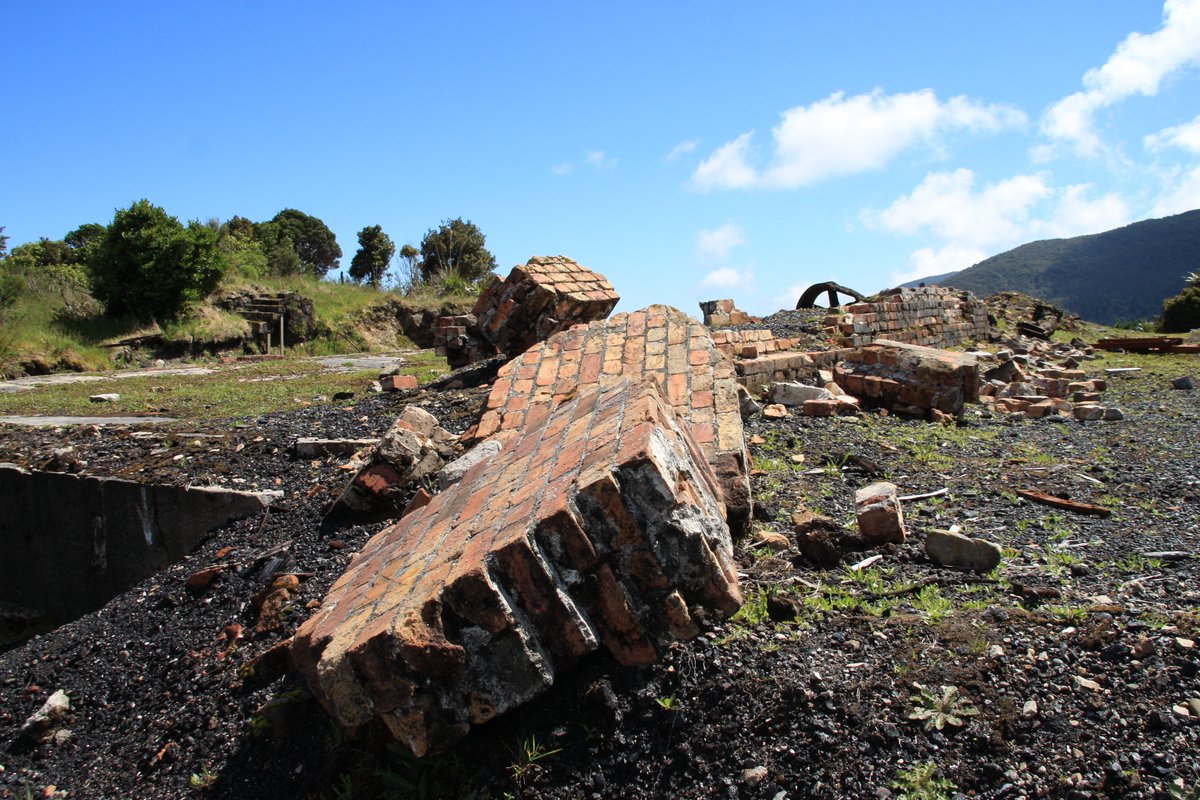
x=314, y=248
x=456, y=245
x=149, y=264
x=375, y=251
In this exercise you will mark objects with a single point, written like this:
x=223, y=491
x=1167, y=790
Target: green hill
x=1120, y=275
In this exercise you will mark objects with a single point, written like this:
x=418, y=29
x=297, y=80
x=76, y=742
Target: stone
x=791, y=393
x=599, y=525
x=956, y=550
x=1184, y=382
x=775, y=411
x=108, y=397
x=47, y=717
x=880, y=517
x=397, y=383
x=772, y=540
x=481, y=453
x=822, y=408
x=747, y=405
x=823, y=541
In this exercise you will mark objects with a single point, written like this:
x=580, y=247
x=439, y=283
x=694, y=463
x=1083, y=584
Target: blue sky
x=687, y=150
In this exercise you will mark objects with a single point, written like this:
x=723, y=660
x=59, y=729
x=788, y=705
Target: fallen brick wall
x=546, y=295
x=658, y=342
x=603, y=520
x=934, y=316
x=597, y=525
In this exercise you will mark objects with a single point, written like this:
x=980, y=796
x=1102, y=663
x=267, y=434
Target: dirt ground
x=1071, y=671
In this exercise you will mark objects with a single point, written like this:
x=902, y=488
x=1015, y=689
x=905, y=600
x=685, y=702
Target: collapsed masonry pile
x=600, y=520
x=1033, y=378
x=934, y=316
x=547, y=295
x=1043, y=381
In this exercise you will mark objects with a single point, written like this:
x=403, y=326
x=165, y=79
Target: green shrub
x=149, y=264
x=1181, y=313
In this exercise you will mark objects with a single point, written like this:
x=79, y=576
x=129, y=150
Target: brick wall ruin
x=934, y=316
x=601, y=522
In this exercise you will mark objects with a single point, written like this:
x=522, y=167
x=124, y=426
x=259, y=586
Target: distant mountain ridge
x=1119, y=275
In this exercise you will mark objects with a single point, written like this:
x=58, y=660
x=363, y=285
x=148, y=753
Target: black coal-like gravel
x=1077, y=654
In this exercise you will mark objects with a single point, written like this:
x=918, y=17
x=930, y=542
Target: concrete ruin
x=546, y=295
x=602, y=521
x=69, y=543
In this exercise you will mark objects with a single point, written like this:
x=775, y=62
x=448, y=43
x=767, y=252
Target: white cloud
x=682, y=149
x=727, y=278
x=843, y=135
x=1076, y=215
x=1183, y=196
x=970, y=225
x=938, y=261
x=715, y=245
x=596, y=159
x=788, y=297
x=1185, y=137
x=1138, y=66
x=726, y=168
x=947, y=204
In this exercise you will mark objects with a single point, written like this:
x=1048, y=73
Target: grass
x=243, y=391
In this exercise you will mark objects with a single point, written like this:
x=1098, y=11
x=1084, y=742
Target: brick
x=880, y=517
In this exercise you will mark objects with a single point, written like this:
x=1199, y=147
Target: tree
x=457, y=245
x=375, y=251
x=83, y=239
x=3, y=242
x=150, y=265
x=315, y=247
x=410, y=268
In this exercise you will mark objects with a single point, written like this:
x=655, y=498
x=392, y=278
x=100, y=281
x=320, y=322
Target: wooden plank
x=1139, y=343
x=1074, y=506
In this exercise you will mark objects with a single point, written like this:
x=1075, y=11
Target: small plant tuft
x=921, y=783
x=938, y=711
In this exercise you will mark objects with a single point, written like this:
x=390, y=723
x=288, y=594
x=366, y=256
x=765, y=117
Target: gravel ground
x=1071, y=666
